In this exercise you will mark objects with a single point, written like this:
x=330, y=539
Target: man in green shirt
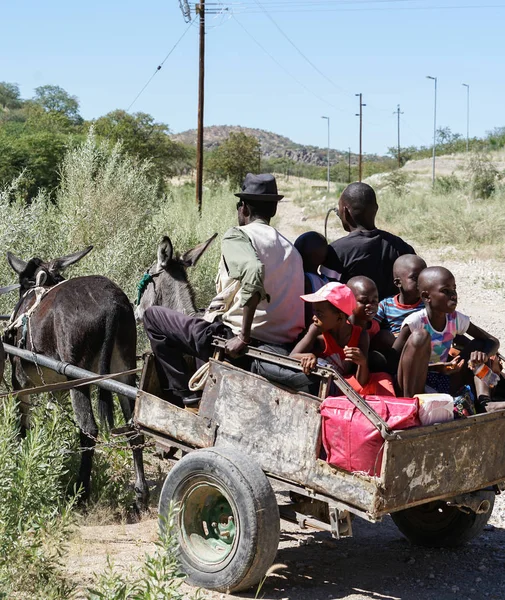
x=259, y=285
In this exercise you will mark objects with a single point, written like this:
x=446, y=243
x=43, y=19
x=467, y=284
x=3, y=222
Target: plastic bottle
x=486, y=375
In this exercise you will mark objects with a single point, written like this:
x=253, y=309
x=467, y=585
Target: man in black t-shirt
x=366, y=250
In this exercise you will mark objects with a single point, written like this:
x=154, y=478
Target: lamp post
x=434, y=127
x=467, y=115
x=328, y=158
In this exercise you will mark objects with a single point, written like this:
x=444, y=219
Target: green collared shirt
x=243, y=264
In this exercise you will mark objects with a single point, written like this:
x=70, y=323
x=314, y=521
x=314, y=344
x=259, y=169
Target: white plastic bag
x=435, y=408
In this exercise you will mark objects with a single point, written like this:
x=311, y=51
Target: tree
x=38, y=154
x=10, y=97
x=55, y=99
x=234, y=158
x=144, y=138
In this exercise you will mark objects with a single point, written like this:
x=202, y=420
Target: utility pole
x=360, y=115
x=349, y=177
x=200, y=9
x=328, y=156
x=467, y=115
x=434, y=129
x=397, y=112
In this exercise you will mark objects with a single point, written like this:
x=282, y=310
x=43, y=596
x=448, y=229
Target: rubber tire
x=257, y=511
x=418, y=526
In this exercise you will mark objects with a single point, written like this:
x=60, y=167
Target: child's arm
x=359, y=356
x=491, y=344
x=381, y=314
x=306, y=348
x=402, y=338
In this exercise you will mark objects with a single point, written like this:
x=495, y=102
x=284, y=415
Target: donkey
x=88, y=322
x=166, y=282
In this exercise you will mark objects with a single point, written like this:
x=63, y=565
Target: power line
x=158, y=68
x=301, y=9
x=284, y=34
x=281, y=66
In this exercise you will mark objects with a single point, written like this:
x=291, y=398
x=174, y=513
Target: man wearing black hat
x=259, y=285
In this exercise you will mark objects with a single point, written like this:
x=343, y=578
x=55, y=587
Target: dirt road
x=377, y=563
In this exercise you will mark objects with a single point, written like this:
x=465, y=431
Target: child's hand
x=308, y=362
x=477, y=358
x=453, y=366
x=355, y=355
x=496, y=364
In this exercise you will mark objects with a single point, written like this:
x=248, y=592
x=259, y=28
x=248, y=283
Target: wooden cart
x=437, y=482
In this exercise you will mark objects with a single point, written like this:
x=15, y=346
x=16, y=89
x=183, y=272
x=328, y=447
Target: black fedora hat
x=259, y=187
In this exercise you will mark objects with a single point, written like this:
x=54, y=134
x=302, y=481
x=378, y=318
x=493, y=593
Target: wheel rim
x=208, y=522
x=433, y=516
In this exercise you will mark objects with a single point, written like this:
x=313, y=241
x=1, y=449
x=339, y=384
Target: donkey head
x=37, y=272
x=166, y=283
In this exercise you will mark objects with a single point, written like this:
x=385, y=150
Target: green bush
x=397, y=181
x=446, y=184
x=108, y=199
x=484, y=176
x=35, y=518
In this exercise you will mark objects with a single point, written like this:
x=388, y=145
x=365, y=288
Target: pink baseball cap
x=337, y=294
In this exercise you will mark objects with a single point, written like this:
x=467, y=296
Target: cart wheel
x=436, y=524
x=227, y=521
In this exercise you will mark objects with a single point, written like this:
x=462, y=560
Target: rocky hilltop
x=273, y=145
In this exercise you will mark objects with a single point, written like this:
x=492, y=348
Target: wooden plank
x=169, y=420
x=149, y=378
x=443, y=460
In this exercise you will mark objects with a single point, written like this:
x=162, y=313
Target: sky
x=104, y=51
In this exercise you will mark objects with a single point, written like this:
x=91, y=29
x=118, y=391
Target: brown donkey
x=88, y=322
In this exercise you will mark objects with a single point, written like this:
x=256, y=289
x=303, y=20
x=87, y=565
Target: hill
x=273, y=145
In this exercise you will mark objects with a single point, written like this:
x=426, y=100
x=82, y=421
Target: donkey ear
x=16, y=263
x=62, y=263
x=191, y=257
x=165, y=252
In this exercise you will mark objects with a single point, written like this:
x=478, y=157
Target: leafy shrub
x=446, y=184
x=111, y=477
x=483, y=174
x=35, y=519
x=397, y=181
x=159, y=577
x=107, y=199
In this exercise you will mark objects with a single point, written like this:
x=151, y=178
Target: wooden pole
x=201, y=80
x=398, y=112
x=360, y=115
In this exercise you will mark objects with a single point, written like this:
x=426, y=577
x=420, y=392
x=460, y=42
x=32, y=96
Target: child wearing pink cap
x=343, y=345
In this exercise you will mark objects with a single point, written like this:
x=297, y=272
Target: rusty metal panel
x=154, y=414
x=278, y=428
x=443, y=460
x=149, y=378
x=281, y=430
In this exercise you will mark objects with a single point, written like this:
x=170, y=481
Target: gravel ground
x=377, y=563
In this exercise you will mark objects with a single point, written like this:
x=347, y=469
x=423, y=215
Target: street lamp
x=467, y=114
x=434, y=127
x=328, y=119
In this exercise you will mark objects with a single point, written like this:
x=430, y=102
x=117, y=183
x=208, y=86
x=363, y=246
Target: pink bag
x=349, y=438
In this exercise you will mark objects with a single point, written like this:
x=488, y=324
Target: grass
x=158, y=578
x=454, y=214
x=37, y=512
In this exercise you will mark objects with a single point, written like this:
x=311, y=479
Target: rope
x=197, y=382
